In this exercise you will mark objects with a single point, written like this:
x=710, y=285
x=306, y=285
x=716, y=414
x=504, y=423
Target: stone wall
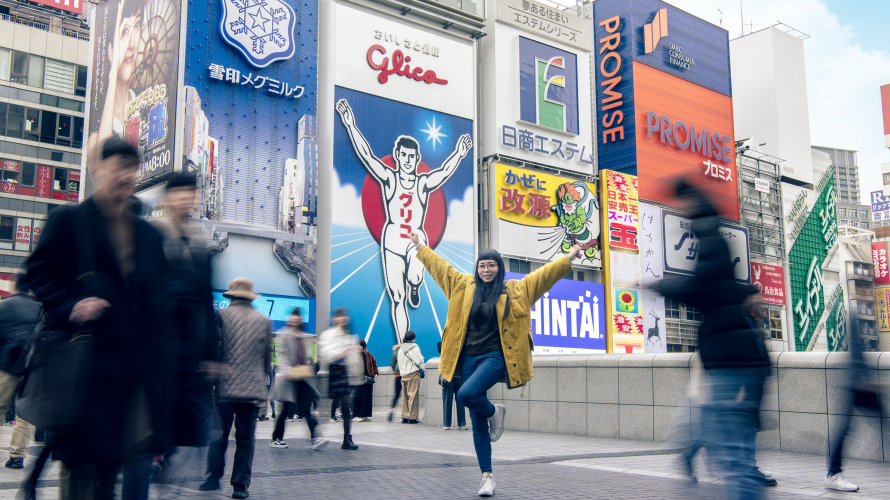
x=644, y=397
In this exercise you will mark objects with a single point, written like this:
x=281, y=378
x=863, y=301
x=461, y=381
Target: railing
x=43, y=26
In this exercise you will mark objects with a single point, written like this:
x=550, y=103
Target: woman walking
x=364, y=394
x=487, y=337
x=294, y=371
x=336, y=349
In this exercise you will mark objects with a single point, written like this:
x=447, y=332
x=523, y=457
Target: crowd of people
x=117, y=312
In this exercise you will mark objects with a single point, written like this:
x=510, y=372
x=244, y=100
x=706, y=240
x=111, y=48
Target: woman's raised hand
x=574, y=252
x=415, y=238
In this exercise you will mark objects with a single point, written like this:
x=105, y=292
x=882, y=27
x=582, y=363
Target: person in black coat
x=99, y=266
x=729, y=344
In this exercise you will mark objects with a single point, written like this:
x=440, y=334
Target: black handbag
x=369, y=380
x=53, y=392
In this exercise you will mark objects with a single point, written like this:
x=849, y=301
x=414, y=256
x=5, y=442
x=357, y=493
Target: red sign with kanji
x=879, y=260
x=44, y=181
x=770, y=280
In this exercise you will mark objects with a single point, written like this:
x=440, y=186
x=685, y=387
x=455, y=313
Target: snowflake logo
x=261, y=30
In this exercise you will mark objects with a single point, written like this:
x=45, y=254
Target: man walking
x=19, y=316
x=245, y=351
x=100, y=269
x=410, y=361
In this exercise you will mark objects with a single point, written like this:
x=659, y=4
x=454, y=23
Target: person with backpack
x=411, y=370
x=487, y=335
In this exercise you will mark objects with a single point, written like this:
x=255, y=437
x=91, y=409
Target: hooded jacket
x=410, y=358
x=515, y=329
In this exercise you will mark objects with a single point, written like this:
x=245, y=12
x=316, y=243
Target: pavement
x=397, y=461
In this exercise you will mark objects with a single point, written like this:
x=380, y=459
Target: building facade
x=44, y=59
x=850, y=210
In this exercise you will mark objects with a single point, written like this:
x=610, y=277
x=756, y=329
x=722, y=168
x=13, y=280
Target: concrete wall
x=644, y=397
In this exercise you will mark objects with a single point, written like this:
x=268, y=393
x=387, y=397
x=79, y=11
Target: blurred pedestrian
x=245, y=351
x=336, y=349
x=364, y=394
x=19, y=316
x=489, y=341
x=270, y=382
x=294, y=371
x=449, y=389
x=731, y=349
x=411, y=368
x=864, y=388
x=397, y=378
x=99, y=269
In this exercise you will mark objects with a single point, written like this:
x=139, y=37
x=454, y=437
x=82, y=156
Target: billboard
x=541, y=216
x=134, y=81
x=681, y=246
x=533, y=89
x=277, y=308
x=879, y=262
x=621, y=262
x=770, y=280
x=885, y=112
x=880, y=206
x=569, y=318
x=652, y=270
x=73, y=6
x=403, y=161
x=883, y=298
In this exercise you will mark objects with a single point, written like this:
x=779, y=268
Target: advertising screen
x=134, y=79
x=569, y=319
x=541, y=216
x=403, y=162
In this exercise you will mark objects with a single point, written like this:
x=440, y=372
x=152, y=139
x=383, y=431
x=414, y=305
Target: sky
x=847, y=61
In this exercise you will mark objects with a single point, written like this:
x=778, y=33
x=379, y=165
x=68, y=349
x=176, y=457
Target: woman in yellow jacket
x=488, y=335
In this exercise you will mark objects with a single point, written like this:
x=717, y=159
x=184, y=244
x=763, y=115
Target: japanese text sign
x=44, y=181
x=568, y=319
x=880, y=206
x=879, y=260
x=556, y=24
x=883, y=298
x=23, y=234
x=682, y=245
x=652, y=269
x=621, y=261
x=770, y=280
x=541, y=216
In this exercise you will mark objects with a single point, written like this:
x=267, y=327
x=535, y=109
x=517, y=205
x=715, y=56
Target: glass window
x=671, y=308
x=3, y=107
x=854, y=223
x=5, y=58
x=19, y=70
x=70, y=104
x=49, y=100
x=63, y=131
x=865, y=225
x=60, y=76
x=28, y=174
x=10, y=176
x=15, y=121
x=60, y=179
x=48, y=127
x=80, y=87
x=35, y=70
x=32, y=124
x=54, y=155
x=77, y=133
x=853, y=213
x=73, y=184
x=7, y=228
x=775, y=324
x=842, y=212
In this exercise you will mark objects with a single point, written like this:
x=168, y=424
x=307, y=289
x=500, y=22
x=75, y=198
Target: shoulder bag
x=422, y=372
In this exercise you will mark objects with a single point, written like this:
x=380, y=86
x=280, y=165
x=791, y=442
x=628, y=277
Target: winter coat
x=285, y=389
x=515, y=329
x=131, y=338
x=19, y=316
x=336, y=345
x=245, y=351
x=410, y=358
x=726, y=338
x=370, y=364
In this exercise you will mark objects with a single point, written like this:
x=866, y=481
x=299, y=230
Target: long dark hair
x=489, y=293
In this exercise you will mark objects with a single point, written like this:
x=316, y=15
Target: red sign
x=74, y=175
x=770, y=280
x=36, y=231
x=10, y=187
x=7, y=284
x=398, y=58
x=879, y=260
x=44, y=181
x=75, y=6
x=11, y=165
x=73, y=196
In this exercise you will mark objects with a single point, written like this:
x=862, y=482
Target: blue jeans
x=734, y=423
x=479, y=374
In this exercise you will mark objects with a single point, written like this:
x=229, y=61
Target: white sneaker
x=318, y=443
x=765, y=473
x=487, y=488
x=446, y=428
x=277, y=443
x=839, y=482
x=496, y=423
x=463, y=428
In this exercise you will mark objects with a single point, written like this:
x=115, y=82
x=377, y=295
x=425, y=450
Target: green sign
x=807, y=256
x=836, y=326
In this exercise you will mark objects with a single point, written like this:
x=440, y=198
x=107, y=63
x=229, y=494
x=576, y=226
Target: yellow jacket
x=516, y=329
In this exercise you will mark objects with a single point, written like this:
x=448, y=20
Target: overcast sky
x=847, y=60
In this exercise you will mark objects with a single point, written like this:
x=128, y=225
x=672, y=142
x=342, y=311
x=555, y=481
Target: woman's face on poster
x=129, y=33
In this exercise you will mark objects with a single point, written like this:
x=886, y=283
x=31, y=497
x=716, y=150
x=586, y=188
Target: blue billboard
x=569, y=319
x=663, y=37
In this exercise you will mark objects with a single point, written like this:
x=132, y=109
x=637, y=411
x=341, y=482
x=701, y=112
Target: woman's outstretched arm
x=444, y=275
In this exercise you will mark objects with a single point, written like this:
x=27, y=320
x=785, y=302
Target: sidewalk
x=413, y=462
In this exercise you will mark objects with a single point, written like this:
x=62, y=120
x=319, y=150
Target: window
x=63, y=131
x=60, y=76
x=774, y=324
x=865, y=225
x=853, y=213
x=520, y=266
x=3, y=108
x=842, y=212
x=15, y=121
x=32, y=124
x=854, y=223
x=48, y=127
x=19, y=70
x=60, y=179
x=4, y=64
x=7, y=228
x=863, y=214
x=77, y=133
x=35, y=70
x=28, y=174
x=80, y=86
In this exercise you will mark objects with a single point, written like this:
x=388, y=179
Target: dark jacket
x=131, y=368
x=725, y=337
x=194, y=336
x=245, y=350
x=370, y=364
x=19, y=316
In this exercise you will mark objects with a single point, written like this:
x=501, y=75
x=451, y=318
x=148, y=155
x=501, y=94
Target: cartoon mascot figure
x=576, y=204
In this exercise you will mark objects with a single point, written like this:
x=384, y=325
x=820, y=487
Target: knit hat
x=241, y=288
